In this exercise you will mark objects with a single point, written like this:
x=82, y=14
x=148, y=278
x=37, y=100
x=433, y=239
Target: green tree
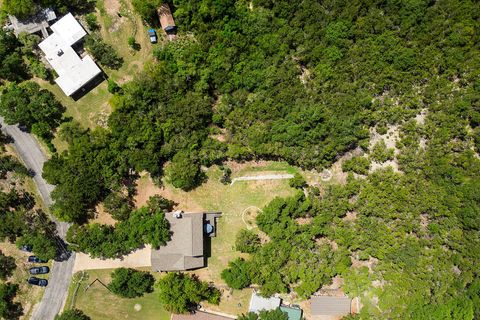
x=32, y=107
x=103, y=52
x=8, y=308
x=298, y=181
x=380, y=152
x=247, y=241
x=237, y=276
x=276, y=314
x=7, y=265
x=19, y=8
x=131, y=283
x=118, y=206
x=72, y=314
x=181, y=293
x=184, y=171
x=147, y=9
x=12, y=67
x=92, y=22
x=359, y=165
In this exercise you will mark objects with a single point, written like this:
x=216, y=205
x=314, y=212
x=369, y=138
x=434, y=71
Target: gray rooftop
x=185, y=249
x=38, y=22
x=330, y=305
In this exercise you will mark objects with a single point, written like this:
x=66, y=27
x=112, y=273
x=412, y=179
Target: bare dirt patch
x=146, y=188
x=136, y=259
x=103, y=217
x=112, y=7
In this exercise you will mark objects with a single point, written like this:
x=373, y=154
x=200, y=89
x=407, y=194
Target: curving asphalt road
x=61, y=272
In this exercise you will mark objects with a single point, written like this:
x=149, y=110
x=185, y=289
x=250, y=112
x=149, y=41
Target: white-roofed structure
x=73, y=71
x=259, y=303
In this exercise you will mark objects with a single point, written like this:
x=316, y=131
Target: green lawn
x=232, y=202
x=99, y=303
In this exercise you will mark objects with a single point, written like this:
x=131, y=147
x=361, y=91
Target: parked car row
x=37, y=270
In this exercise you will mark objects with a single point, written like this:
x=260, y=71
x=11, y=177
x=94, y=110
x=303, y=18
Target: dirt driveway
x=136, y=259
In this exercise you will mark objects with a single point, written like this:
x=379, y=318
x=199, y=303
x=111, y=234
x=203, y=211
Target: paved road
x=60, y=276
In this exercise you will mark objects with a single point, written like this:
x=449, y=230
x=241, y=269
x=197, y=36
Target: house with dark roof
x=186, y=248
x=330, y=306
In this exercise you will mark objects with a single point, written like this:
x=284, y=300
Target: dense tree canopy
x=33, y=108
x=306, y=81
x=146, y=225
x=12, y=66
x=25, y=8
x=181, y=293
x=8, y=308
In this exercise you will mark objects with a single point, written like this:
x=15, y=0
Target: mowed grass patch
x=99, y=303
x=27, y=295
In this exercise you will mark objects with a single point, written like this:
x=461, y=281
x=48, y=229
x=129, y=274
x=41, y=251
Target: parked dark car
x=38, y=282
x=35, y=259
x=39, y=270
x=153, y=36
x=26, y=248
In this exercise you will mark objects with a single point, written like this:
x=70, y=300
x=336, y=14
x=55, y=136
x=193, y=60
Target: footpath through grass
x=100, y=304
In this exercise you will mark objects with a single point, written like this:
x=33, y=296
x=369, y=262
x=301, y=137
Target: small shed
x=166, y=19
x=331, y=306
x=259, y=303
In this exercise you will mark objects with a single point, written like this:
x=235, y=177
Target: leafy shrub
x=92, y=22
x=72, y=314
x=359, y=165
x=298, y=181
x=133, y=44
x=103, y=52
x=380, y=152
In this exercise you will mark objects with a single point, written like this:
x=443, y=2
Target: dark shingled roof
x=185, y=249
x=330, y=305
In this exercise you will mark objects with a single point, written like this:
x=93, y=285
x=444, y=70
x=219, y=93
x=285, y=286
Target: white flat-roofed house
x=73, y=71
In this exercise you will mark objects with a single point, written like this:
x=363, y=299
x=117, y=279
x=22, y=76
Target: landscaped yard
x=237, y=202
x=99, y=303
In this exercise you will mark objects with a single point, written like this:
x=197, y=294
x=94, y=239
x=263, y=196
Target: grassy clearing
x=232, y=201
x=115, y=30
x=99, y=303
